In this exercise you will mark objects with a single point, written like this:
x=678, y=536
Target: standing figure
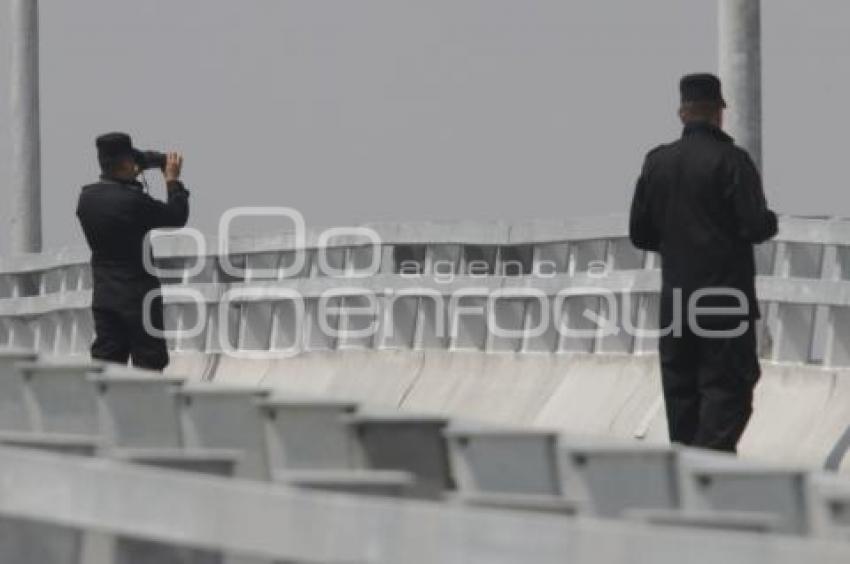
x=699, y=203
x=116, y=214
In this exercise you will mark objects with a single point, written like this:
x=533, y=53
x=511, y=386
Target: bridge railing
x=465, y=286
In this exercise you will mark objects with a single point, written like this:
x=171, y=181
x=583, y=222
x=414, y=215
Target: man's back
x=700, y=204
x=110, y=215
x=115, y=218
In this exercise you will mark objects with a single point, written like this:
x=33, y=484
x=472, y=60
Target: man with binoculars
x=116, y=214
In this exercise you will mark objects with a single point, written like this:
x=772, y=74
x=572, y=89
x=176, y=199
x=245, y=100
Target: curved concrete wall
x=467, y=278
x=801, y=412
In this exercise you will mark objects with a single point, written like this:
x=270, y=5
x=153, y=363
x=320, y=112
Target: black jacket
x=699, y=202
x=115, y=217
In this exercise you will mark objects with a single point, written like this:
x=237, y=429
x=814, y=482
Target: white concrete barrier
x=251, y=519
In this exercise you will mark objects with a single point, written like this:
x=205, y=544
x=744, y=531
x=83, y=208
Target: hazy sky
x=358, y=110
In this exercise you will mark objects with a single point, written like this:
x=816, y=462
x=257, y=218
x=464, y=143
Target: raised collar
x=705, y=128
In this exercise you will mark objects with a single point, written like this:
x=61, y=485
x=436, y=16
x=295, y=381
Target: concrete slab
x=382, y=377
x=497, y=387
x=192, y=365
x=606, y=395
x=800, y=413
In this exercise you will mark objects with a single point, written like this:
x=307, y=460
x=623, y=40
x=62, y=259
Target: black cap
x=701, y=87
x=113, y=146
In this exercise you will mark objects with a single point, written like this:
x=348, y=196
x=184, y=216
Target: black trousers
x=120, y=335
x=708, y=387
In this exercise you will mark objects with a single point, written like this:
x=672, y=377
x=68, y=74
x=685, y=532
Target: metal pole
x=25, y=198
x=740, y=71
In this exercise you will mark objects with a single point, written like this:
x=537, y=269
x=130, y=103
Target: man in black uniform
x=699, y=203
x=116, y=214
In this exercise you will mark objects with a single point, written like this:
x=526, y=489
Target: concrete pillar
x=740, y=71
x=25, y=129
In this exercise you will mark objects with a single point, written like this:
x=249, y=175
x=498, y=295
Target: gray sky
x=358, y=110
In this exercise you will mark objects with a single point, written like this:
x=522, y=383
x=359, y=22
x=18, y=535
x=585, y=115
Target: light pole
x=740, y=71
x=25, y=200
